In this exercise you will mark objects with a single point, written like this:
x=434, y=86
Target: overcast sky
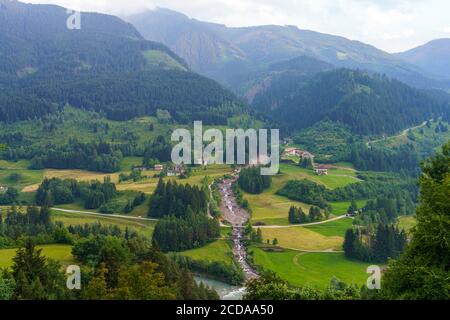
x=391, y=25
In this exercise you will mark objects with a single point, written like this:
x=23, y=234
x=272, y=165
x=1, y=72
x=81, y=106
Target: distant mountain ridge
x=433, y=57
x=231, y=55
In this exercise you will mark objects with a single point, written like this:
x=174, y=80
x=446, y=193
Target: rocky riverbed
x=237, y=217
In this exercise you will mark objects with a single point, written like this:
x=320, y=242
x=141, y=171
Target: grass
x=407, y=222
x=157, y=58
x=339, y=177
x=333, y=228
x=340, y=208
x=128, y=163
x=271, y=209
x=144, y=228
x=313, y=269
x=61, y=253
x=219, y=250
x=301, y=238
x=24, y=177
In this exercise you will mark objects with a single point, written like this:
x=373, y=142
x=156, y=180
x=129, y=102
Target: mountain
x=106, y=66
x=283, y=77
x=233, y=55
x=433, y=57
x=367, y=104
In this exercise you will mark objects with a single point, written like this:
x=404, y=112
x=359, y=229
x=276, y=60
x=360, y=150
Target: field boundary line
x=302, y=225
x=104, y=215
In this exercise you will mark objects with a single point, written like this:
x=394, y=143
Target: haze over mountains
x=231, y=55
x=291, y=78
x=433, y=57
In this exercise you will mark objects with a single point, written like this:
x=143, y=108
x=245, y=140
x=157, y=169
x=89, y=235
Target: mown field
x=407, y=222
x=272, y=209
x=61, y=253
x=313, y=269
x=300, y=238
x=144, y=228
x=219, y=250
x=333, y=228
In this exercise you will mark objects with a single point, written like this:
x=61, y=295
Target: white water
x=225, y=291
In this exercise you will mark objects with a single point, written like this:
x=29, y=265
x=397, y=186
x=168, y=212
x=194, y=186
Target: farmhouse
x=321, y=170
x=298, y=152
x=159, y=167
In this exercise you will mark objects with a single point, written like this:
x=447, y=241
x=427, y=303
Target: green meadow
x=219, y=250
x=271, y=209
x=313, y=269
x=144, y=228
x=61, y=253
x=333, y=228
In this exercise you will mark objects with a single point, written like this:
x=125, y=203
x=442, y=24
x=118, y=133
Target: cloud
x=392, y=25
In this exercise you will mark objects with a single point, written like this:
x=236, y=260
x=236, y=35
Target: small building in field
x=321, y=170
x=159, y=167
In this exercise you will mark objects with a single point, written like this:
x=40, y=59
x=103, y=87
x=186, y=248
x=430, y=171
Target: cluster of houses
x=173, y=171
x=320, y=170
x=298, y=153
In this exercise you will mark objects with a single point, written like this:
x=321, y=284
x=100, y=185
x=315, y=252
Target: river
x=225, y=290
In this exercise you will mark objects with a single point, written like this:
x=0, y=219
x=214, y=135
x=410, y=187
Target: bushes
x=9, y=197
x=229, y=273
x=305, y=191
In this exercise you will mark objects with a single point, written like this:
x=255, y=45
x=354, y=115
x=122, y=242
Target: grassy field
x=340, y=208
x=272, y=209
x=337, y=177
x=407, y=222
x=331, y=229
x=301, y=238
x=17, y=175
x=313, y=269
x=219, y=250
x=144, y=228
x=61, y=253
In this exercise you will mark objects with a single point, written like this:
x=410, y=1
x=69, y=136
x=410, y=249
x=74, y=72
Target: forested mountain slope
x=105, y=66
x=368, y=104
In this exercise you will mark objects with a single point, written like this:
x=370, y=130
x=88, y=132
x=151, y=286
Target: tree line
x=251, y=180
x=387, y=241
x=57, y=191
x=298, y=216
x=185, y=223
